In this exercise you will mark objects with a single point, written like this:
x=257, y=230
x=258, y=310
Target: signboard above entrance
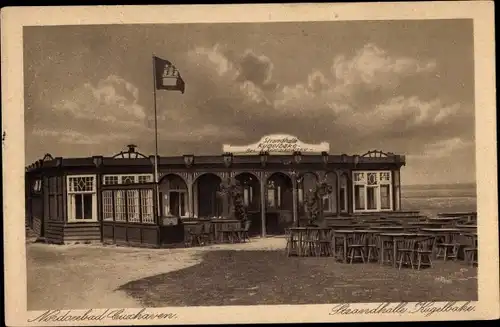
x=277, y=144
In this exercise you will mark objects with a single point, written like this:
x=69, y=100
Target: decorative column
x=339, y=175
x=189, y=181
x=396, y=182
x=294, y=199
x=263, y=181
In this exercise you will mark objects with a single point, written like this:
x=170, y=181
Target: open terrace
x=259, y=271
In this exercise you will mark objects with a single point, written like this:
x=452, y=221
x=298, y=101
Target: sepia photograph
x=200, y=164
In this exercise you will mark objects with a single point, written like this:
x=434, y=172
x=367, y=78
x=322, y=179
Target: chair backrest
x=207, y=227
x=356, y=238
x=407, y=243
x=248, y=223
x=426, y=243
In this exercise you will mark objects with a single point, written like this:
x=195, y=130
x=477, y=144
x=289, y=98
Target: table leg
x=394, y=252
x=382, y=251
x=334, y=247
x=345, y=249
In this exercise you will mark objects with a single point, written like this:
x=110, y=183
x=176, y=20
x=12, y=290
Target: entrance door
x=175, y=204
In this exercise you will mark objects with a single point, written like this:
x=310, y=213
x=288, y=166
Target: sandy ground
x=87, y=276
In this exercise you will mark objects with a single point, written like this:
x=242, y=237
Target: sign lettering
x=277, y=144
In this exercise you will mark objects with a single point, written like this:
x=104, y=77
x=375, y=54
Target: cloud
x=442, y=148
x=374, y=67
x=111, y=100
x=74, y=137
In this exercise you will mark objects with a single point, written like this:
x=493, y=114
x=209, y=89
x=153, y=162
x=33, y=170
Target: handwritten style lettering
x=346, y=309
x=285, y=144
x=95, y=315
x=425, y=308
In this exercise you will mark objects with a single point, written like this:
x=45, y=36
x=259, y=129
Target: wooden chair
x=311, y=243
x=195, y=235
x=292, y=243
x=406, y=252
x=470, y=250
x=325, y=243
x=373, y=246
x=356, y=244
x=448, y=247
x=387, y=246
x=424, y=252
x=206, y=233
x=338, y=248
x=243, y=233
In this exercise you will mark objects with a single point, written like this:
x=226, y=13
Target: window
x=343, y=193
x=359, y=196
x=372, y=191
x=127, y=179
x=371, y=198
x=326, y=204
x=37, y=186
x=147, y=206
x=145, y=178
x=120, y=206
x=82, y=204
x=107, y=205
x=271, y=195
x=175, y=203
x=385, y=196
x=330, y=202
x=133, y=206
x=110, y=180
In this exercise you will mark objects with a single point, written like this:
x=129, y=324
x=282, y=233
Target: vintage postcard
x=249, y=163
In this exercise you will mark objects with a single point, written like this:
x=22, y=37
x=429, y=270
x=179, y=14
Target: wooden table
x=388, y=228
x=342, y=233
x=395, y=237
x=302, y=233
x=442, y=234
x=223, y=228
x=467, y=227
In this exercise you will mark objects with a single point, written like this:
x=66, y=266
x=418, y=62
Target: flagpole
x=158, y=209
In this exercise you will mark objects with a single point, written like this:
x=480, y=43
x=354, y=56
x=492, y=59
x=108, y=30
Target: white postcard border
x=13, y=19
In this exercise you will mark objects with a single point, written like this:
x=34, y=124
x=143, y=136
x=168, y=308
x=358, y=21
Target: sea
x=433, y=199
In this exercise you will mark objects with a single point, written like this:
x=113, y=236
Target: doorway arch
x=279, y=203
x=208, y=203
x=174, y=196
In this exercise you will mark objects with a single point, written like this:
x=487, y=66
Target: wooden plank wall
x=82, y=232
x=37, y=225
x=54, y=232
x=140, y=235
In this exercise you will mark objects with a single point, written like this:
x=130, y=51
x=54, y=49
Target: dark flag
x=167, y=76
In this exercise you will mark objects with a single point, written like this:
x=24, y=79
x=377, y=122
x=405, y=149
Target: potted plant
x=233, y=190
x=313, y=203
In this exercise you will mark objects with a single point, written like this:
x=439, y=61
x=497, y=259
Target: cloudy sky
x=404, y=87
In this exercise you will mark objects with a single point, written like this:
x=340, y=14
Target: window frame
x=121, y=176
x=377, y=187
x=166, y=210
x=70, y=195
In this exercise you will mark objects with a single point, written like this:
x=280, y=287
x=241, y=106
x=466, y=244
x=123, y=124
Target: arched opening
x=306, y=183
x=279, y=203
x=251, y=191
x=330, y=206
x=208, y=202
x=343, y=196
x=252, y=200
x=174, y=197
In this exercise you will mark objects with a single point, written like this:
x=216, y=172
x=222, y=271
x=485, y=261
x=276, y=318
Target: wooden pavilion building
x=114, y=199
